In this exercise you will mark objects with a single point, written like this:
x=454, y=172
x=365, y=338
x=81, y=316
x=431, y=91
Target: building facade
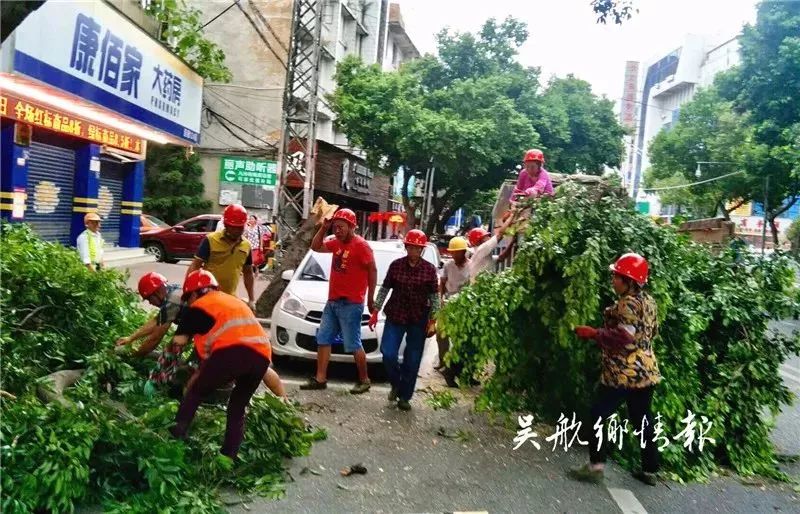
x=242, y=120
x=83, y=90
x=668, y=82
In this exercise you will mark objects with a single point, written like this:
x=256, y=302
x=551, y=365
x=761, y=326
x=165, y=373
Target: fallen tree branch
x=32, y=314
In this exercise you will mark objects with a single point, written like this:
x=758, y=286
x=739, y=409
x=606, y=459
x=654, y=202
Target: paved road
x=413, y=468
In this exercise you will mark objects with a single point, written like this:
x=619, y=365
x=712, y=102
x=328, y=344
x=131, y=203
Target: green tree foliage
x=764, y=89
x=173, y=190
x=13, y=13
x=471, y=112
x=708, y=130
x=690, y=205
x=616, y=10
x=108, y=444
x=716, y=352
x=182, y=31
x=585, y=134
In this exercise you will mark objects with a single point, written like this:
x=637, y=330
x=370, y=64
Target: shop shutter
x=109, y=198
x=51, y=171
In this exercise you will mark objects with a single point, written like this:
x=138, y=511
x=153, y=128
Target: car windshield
x=155, y=221
x=318, y=265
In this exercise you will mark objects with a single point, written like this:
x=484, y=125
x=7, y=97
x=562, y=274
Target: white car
x=296, y=316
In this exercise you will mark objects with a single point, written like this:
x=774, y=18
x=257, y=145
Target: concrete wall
x=701, y=59
x=252, y=101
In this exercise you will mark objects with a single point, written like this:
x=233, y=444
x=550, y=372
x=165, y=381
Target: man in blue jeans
x=409, y=313
x=353, y=274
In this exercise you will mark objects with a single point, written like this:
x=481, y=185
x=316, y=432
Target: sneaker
x=392, y=394
x=645, y=477
x=586, y=474
x=313, y=385
x=360, y=388
x=404, y=405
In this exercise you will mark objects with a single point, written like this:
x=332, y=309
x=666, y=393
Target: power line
x=221, y=118
x=682, y=186
x=252, y=118
x=242, y=86
x=269, y=27
x=212, y=20
x=262, y=36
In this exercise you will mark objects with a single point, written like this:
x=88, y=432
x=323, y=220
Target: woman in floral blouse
x=629, y=367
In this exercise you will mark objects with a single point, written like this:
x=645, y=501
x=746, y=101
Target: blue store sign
x=92, y=51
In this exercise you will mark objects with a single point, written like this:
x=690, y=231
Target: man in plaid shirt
x=409, y=313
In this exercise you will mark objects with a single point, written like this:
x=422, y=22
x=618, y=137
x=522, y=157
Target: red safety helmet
x=416, y=237
x=234, y=215
x=534, y=155
x=633, y=266
x=475, y=235
x=198, y=279
x=346, y=215
x=150, y=283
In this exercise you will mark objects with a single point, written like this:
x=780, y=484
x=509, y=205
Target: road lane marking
x=789, y=376
x=790, y=368
x=626, y=501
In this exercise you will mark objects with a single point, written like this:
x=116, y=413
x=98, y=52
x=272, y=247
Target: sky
x=565, y=38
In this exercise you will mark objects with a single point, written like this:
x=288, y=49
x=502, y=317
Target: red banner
x=47, y=118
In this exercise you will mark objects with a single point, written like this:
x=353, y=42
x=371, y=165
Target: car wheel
x=156, y=250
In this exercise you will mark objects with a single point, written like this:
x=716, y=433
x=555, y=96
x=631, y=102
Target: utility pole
x=297, y=151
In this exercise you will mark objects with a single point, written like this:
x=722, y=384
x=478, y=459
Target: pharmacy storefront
x=83, y=91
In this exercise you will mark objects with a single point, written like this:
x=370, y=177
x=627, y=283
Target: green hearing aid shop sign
x=249, y=172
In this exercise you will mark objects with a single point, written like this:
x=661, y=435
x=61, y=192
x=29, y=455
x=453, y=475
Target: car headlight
x=290, y=304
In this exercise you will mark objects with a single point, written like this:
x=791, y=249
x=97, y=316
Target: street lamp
x=697, y=174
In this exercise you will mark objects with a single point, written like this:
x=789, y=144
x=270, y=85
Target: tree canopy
x=749, y=120
x=471, y=112
x=708, y=130
x=173, y=190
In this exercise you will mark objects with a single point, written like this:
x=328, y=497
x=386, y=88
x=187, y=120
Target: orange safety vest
x=234, y=324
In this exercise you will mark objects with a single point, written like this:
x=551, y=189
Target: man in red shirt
x=353, y=273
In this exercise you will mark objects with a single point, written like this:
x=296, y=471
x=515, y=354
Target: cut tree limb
x=53, y=385
x=294, y=248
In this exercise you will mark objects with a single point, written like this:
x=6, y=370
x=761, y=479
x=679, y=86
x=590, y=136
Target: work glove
x=149, y=389
x=373, y=320
x=585, y=332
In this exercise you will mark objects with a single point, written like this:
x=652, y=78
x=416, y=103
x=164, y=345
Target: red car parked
x=180, y=241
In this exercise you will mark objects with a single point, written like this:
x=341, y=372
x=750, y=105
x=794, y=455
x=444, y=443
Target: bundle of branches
x=104, y=442
x=717, y=353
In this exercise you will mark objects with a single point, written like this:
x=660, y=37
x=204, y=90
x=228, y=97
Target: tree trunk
x=410, y=207
x=727, y=212
x=435, y=222
x=443, y=216
x=774, y=231
x=775, y=214
x=294, y=248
